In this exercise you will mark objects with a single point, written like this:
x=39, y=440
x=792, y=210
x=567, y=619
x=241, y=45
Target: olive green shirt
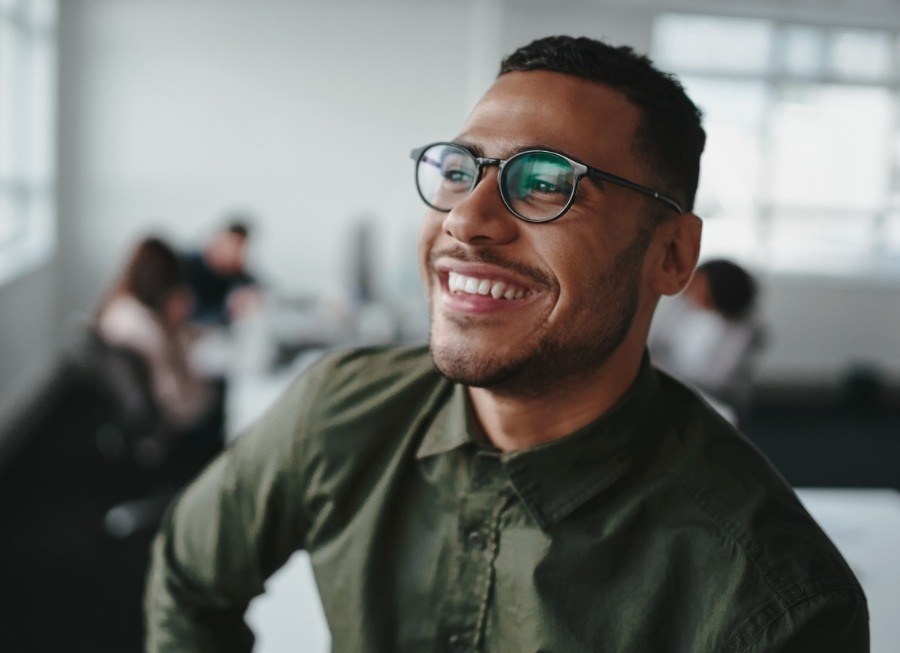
x=655, y=528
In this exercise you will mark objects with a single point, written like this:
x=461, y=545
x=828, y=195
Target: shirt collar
x=452, y=427
x=556, y=478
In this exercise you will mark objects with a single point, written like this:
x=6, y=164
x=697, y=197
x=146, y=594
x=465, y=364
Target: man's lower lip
x=475, y=304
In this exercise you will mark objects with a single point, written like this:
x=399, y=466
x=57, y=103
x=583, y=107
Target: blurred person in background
x=147, y=311
x=217, y=274
x=710, y=334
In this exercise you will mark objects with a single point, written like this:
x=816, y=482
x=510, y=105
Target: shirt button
x=476, y=540
x=457, y=644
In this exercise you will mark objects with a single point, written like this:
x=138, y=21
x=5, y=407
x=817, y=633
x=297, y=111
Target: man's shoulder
x=752, y=517
x=725, y=475
x=359, y=414
x=360, y=392
x=375, y=369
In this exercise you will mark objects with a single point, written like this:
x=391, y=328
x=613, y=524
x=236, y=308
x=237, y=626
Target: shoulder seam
x=736, y=640
x=730, y=530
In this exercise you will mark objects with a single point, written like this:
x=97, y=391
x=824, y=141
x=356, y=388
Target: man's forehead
x=500, y=149
x=546, y=110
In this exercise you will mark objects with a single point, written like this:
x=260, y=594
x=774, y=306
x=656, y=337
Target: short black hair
x=237, y=221
x=733, y=290
x=239, y=228
x=670, y=135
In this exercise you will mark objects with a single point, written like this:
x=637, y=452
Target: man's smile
x=478, y=288
x=461, y=284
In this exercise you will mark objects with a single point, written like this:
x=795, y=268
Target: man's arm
x=228, y=532
x=831, y=622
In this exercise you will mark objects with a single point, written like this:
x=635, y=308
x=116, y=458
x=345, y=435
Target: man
x=543, y=488
x=223, y=289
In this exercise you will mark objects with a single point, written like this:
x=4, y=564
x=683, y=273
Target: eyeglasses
x=536, y=185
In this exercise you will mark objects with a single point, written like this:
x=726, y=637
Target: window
x=27, y=116
x=802, y=167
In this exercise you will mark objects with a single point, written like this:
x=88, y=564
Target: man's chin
x=471, y=368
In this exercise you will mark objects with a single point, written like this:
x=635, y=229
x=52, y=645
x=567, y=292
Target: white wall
x=302, y=112
x=176, y=110
x=27, y=328
x=818, y=328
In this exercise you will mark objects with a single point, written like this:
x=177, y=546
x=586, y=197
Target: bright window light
x=802, y=166
x=802, y=51
x=858, y=54
x=739, y=44
x=830, y=146
x=27, y=116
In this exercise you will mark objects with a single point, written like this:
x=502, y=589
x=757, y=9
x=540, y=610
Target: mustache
x=490, y=257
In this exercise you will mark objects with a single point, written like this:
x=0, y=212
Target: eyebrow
x=478, y=150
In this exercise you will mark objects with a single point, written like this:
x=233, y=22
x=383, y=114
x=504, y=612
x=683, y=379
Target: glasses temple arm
x=619, y=181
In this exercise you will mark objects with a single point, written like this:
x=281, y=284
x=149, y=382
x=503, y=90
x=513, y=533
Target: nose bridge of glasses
x=486, y=162
x=479, y=216
x=478, y=202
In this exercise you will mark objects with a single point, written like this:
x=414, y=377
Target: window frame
x=28, y=111
x=879, y=258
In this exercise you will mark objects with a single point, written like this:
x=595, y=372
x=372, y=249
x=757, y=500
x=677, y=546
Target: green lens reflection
x=539, y=184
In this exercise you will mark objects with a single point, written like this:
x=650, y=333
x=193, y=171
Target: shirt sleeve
x=832, y=622
x=227, y=533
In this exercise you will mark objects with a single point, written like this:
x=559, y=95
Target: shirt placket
x=488, y=495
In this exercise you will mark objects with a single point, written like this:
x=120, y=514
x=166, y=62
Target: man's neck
x=515, y=422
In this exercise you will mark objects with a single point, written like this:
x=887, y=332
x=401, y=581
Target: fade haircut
x=669, y=136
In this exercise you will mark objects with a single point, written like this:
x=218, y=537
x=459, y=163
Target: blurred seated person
x=708, y=335
x=217, y=275
x=147, y=311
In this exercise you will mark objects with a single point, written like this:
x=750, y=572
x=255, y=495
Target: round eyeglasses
x=535, y=185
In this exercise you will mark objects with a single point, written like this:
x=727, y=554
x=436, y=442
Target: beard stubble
x=559, y=359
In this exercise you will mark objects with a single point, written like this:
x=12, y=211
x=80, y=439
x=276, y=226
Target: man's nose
x=482, y=218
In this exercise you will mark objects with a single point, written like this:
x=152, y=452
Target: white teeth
x=461, y=284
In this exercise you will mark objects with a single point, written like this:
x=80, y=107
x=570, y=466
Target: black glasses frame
x=580, y=170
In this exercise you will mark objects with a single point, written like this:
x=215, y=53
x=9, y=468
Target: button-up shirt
x=655, y=528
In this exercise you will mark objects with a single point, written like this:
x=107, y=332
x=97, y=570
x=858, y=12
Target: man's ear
x=678, y=243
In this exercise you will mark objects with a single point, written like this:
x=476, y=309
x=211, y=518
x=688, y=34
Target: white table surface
x=865, y=526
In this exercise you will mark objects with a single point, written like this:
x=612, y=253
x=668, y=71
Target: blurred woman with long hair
x=146, y=310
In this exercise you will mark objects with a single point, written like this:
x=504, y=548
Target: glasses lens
x=445, y=174
x=538, y=186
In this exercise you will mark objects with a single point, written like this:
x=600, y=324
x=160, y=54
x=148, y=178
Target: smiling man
x=529, y=482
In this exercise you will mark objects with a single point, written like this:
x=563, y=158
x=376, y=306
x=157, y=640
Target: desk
x=289, y=616
x=863, y=523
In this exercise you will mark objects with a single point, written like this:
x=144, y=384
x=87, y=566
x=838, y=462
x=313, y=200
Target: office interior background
x=120, y=118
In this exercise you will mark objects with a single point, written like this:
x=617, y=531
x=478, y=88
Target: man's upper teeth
x=475, y=286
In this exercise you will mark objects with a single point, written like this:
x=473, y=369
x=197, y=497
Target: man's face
x=570, y=288
x=227, y=252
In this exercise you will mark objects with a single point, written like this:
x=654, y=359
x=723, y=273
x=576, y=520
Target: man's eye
x=544, y=186
x=457, y=176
